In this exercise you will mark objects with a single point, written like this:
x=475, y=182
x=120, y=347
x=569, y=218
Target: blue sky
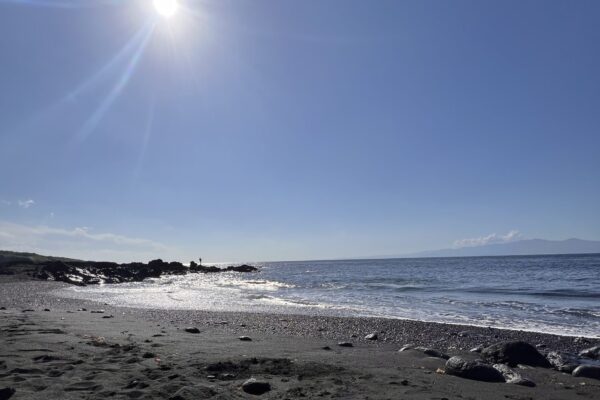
x=271, y=130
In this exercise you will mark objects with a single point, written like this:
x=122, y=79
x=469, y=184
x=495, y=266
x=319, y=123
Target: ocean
x=553, y=294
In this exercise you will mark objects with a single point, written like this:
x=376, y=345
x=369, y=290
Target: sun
x=166, y=8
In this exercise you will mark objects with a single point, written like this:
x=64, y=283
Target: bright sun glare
x=166, y=8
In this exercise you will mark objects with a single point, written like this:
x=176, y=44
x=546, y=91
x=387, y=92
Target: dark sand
x=146, y=354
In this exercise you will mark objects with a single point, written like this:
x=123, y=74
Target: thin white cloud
x=4, y=202
x=489, y=239
x=26, y=203
x=79, y=243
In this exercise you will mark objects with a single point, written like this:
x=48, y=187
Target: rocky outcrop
x=83, y=273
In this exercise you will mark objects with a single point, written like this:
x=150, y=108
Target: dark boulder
x=192, y=330
x=592, y=352
x=563, y=362
x=6, y=393
x=587, y=371
x=256, y=387
x=514, y=353
x=475, y=370
x=242, y=268
x=345, y=344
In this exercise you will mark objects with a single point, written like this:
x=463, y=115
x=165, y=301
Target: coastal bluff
x=82, y=273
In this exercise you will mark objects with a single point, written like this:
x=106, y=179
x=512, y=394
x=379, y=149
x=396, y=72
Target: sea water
x=553, y=294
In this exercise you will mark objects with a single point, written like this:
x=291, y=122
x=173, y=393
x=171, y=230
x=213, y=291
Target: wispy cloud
x=5, y=202
x=26, y=203
x=489, y=239
x=79, y=242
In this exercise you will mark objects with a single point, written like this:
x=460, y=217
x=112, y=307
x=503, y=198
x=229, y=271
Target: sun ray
x=93, y=121
x=65, y=4
x=139, y=37
x=146, y=138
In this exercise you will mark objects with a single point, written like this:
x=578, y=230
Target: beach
x=65, y=348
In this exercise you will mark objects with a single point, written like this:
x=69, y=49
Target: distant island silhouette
x=517, y=248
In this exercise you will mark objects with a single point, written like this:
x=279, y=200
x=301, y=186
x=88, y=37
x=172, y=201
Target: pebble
x=245, y=339
x=345, y=344
x=371, y=336
x=191, y=330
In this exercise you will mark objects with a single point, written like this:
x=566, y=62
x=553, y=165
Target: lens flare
x=166, y=8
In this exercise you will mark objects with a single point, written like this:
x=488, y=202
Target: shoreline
x=398, y=330
x=71, y=349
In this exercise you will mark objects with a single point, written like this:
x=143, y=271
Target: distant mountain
x=518, y=248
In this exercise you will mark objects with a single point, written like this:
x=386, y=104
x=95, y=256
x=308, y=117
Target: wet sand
x=86, y=350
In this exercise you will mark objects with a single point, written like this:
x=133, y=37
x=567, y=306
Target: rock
x=587, y=371
x=477, y=349
x=255, y=387
x=108, y=316
x=513, y=353
x=97, y=311
x=192, y=330
x=6, y=393
x=406, y=347
x=475, y=370
x=513, y=377
x=371, y=336
x=592, y=352
x=245, y=339
x=148, y=355
x=432, y=352
x=193, y=393
x=345, y=344
x=325, y=348
x=580, y=339
x=46, y=309
x=563, y=362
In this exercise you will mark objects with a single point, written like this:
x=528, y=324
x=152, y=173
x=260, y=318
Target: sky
x=288, y=130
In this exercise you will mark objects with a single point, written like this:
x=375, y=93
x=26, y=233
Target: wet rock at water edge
x=256, y=387
x=372, y=336
x=245, y=339
x=514, y=353
x=475, y=370
x=191, y=330
x=345, y=344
